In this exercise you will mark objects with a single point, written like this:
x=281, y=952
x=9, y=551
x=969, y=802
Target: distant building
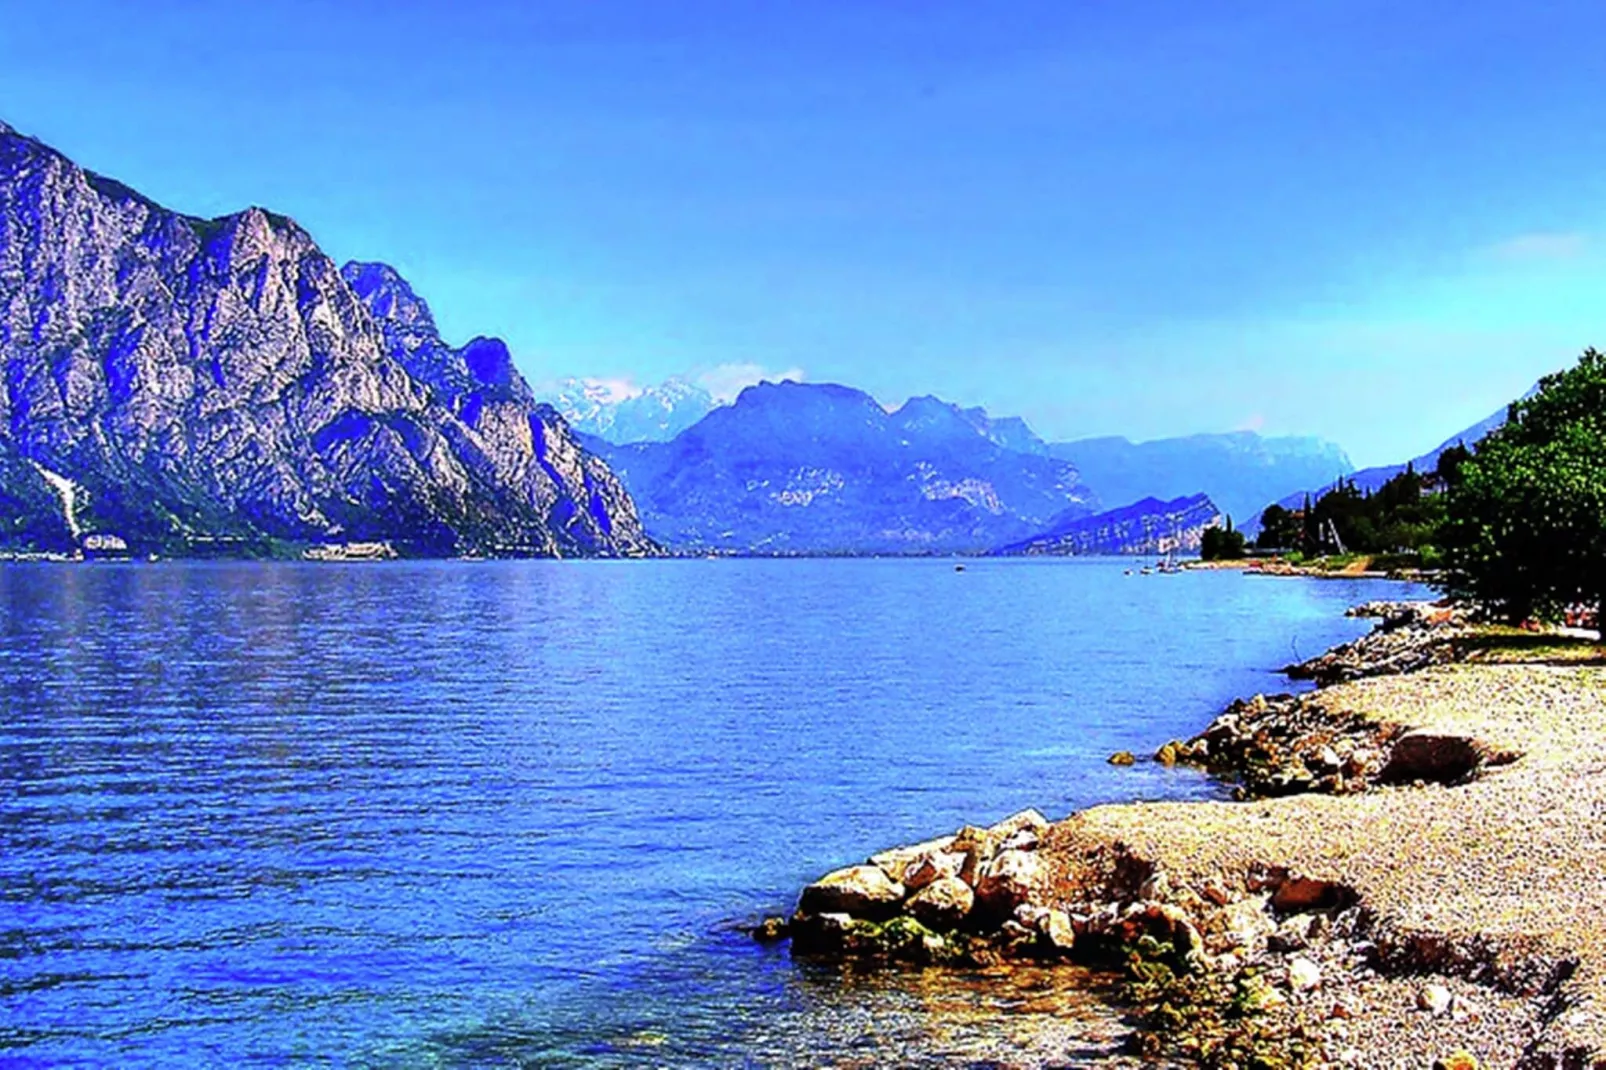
x=350, y=551
x=101, y=544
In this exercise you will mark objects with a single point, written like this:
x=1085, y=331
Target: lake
x=454, y=814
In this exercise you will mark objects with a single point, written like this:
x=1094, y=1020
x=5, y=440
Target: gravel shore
x=1494, y=889
x=1455, y=913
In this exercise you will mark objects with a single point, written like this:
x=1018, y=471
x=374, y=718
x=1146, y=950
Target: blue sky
x=1375, y=222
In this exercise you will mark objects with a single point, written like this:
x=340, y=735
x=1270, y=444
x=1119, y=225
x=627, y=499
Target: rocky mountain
x=622, y=414
x=182, y=383
x=1150, y=526
x=930, y=416
x=1240, y=471
x=819, y=468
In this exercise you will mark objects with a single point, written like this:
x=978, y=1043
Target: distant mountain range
x=187, y=385
x=1240, y=471
x=821, y=468
x=620, y=414
x=176, y=384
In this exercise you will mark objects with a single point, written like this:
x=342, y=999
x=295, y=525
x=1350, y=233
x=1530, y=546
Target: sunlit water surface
x=506, y=814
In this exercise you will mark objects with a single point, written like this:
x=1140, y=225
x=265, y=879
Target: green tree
x=1525, y=532
x=1279, y=529
x=1218, y=544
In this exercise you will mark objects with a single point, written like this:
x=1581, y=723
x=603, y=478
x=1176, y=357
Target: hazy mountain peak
x=617, y=410
x=1240, y=470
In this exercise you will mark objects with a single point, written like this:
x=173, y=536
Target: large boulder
x=976, y=846
x=1025, y=820
x=859, y=891
x=1439, y=757
x=895, y=862
x=1010, y=879
x=930, y=868
x=942, y=904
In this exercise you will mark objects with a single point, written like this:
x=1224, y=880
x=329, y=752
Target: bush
x=1526, y=513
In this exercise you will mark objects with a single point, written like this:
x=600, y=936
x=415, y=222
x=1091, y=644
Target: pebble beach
x=1426, y=888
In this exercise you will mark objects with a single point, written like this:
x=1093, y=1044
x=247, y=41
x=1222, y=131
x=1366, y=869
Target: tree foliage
x=1526, y=514
x=1280, y=529
x=1220, y=544
x=1401, y=516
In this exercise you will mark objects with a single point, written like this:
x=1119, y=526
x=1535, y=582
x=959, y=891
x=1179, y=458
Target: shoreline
x=1411, y=875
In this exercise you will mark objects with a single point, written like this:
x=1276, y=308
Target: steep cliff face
x=186, y=380
x=1149, y=526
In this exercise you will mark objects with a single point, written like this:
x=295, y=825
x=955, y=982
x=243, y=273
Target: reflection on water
x=428, y=814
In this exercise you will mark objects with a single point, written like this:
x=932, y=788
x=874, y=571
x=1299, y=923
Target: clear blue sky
x=1370, y=221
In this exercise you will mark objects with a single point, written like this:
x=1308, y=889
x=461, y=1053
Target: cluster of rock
x=971, y=897
x=1275, y=745
x=1204, y=957
x=1409, y=636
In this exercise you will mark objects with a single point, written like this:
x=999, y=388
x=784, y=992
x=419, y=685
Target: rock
x=1459, y=1060
x=1176, y=928
x=907, y=939
x=1437, y=757
x=942, y=904
x=1023, y=840
x=1291, y=935
x=835, y=934
x=1015, y=939
x=1059, y=934
x=1242, y=924
x=1009, y=880
x=1122, y=757
x=1435, y=999
x=1303, y=974
x=1170, y=753
x=829, y=933
x=932, y=867
x=1216, y=892
x=770, y=931
x=895, y=862
x=1026, y=820
x=1298, y=893
x=1157, y=887
x=1346, y=1007
x=1360, y=762
x=977, y=847
x=1030, y=915
x=861, y=891
x=1328, y=758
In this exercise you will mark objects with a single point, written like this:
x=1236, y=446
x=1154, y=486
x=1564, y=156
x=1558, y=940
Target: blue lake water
x=504, y=813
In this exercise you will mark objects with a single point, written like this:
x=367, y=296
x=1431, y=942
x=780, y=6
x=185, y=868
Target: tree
x=1217, y=544
x=1279, y=529
x=1525, y=532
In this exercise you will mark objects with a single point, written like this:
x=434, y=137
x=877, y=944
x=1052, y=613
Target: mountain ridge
x=1146, y=526
x=824, y=468
x=199, y=380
